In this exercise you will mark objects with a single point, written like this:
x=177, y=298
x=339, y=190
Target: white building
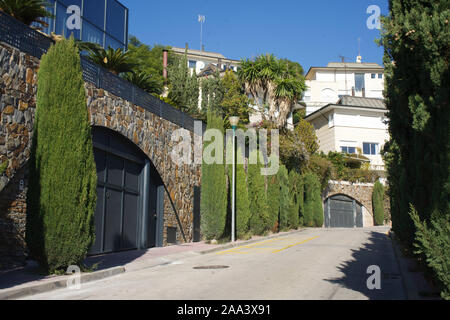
x=354, y=125
x=328, y=84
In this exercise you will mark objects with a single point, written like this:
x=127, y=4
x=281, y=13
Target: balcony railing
x=34, y=43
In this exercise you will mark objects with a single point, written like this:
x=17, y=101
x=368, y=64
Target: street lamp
x=234, y=121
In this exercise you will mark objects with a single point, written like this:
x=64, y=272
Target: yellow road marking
x=295, y=244
x=247, y=246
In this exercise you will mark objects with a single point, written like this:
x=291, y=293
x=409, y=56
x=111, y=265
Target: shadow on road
x=377, y=251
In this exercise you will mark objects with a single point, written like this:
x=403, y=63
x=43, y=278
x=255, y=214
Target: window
x=192, y=64
x=94, y=11
x=359, y=81
x=371, y=148
x=331, y=120
x=380, y=76
x=349, y=150
x=115, y=20
x=373, y=75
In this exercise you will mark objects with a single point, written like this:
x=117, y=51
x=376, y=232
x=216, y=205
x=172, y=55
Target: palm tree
x=144, y=81
x=26, y=11
x=117, y=61
x=288, y=92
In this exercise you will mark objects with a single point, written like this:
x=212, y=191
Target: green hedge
x=62, y=189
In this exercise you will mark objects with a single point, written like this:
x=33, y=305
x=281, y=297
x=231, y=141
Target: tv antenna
x=201, y=19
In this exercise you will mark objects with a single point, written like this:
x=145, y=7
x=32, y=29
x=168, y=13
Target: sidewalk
x=27, y=280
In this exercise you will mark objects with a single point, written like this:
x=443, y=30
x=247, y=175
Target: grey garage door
x=342, y=212
x=126, y=216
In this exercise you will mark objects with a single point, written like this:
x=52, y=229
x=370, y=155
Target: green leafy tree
x=313, y=215
x=242, y=198
x=62, y=190
x=286, y=202
x=378, y=203
x=27, y=11
x=213, y=204
x=416, y=40
x=259, y=216
x=212, y=93
x=116, y=61
x=235, y=102
x=273, y=199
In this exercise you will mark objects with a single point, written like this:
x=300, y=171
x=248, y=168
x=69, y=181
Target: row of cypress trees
x=274, y=203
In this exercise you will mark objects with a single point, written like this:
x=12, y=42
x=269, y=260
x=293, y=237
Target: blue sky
x=311, y=32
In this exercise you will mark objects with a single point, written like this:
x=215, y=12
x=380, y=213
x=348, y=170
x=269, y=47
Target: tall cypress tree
x=285, y=198
x=416, y=40
x=259, y=216
x=296, y=190
x=313, y=216
x=273, y=199
x=378, y=203
x=62, y=192
x=213, y=204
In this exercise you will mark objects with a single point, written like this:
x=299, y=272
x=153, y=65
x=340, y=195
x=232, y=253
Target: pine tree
x=286, y=202
x=213, y=205
x=273, y=199
x=62, y=191
x=259, y=216
x=378, y=203
x=242, y=200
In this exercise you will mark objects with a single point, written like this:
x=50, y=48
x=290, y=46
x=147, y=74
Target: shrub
x=296, y=193
x=213, y=204
x=378, y=203
x=285, y=198
x=322, y=167
x=62, y=189
x=259, y=216
x=313, y=215
x=242, y=201
x=273, y=199
x=433, y=243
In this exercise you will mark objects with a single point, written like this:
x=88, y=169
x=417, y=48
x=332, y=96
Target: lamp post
x=234, y=121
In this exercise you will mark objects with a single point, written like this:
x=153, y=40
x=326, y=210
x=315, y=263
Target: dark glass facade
x=101, y=21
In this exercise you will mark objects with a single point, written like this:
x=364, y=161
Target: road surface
x=324, y=264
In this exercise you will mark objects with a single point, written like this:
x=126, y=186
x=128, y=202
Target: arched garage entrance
x=341, y=211
x=130, y=196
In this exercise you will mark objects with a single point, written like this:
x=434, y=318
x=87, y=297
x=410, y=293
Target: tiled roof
x=362, y=102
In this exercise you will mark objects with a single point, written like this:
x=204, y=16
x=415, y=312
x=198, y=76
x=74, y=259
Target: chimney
x=358, y=59
x=219, y=64
x=165, y=56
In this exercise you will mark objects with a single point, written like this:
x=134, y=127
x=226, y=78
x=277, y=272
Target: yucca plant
x=27, y=11
x=144, y=81
x=117, y=61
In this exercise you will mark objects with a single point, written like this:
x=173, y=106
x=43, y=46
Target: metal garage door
x=342, y=212
x=122, y=200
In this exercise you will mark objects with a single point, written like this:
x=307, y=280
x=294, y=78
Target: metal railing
x=32, y=42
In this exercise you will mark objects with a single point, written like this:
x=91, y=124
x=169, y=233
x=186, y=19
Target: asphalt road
x=315, y=264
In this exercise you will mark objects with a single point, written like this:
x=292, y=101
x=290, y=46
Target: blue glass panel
x=92, y=34
x=110, y=42
x=94, y=11
x=351, y=150
x=359, y=81
x=61, y=20
x=366, y=148
x=115, y=20
x=373, y=150
x=68, y=3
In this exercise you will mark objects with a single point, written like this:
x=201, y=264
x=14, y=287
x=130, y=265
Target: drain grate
x=211, y=267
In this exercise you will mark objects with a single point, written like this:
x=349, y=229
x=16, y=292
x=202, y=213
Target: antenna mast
x=201, y=19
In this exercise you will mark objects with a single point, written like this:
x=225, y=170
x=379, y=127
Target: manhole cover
x=210, y=267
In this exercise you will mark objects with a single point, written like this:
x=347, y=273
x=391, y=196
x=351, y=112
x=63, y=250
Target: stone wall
x=152, y=134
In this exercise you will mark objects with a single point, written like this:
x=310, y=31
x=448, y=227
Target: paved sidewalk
x=28, y=281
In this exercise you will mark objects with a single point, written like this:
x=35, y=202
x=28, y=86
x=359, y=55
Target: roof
x=199, y=53
x=362, y=102
x=350, y=102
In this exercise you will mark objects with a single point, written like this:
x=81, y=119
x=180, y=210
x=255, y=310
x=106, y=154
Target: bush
x=62, y=189
x=313, y=216
x=285, y=198
x=273, y=199
x=433, y=243
x=322, y=167
x=378, y=203
x=242, y=201
x=259, y=216
x=213, y=205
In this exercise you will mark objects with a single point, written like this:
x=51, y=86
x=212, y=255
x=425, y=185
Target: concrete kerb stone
x=60, y=283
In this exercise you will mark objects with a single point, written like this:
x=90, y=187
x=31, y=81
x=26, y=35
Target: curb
x=16, y=293
x=239, y=244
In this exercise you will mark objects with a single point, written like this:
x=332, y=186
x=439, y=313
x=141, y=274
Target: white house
x=353, y=125
x=328, y=84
